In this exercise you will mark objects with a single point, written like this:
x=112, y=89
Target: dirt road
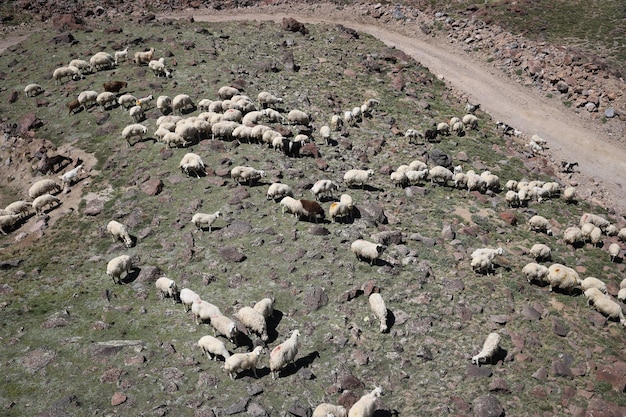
x=602, y=163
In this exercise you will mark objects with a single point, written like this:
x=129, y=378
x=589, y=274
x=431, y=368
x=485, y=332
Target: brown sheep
x=313, y=209
x=73, y=106
x=114, y=86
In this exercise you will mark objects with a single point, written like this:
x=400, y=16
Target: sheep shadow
x=272, y=324
x=242, y=339
x=365, y=187
x=294, y=367
x=391, y=320
x=131, y=276
x=189, y=110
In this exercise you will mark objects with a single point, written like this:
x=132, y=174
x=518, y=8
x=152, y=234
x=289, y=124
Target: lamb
x=540, y=224
x=137, y=114
x=227, y=92
x=298, y=117
x=246, y=174
x=87, y=98
x=339, y=209
x=143, y=57
x=312, y=209
x=562, y=277
x=253, y=321
x=143, y=101
x=242, y=361
x=173, y=139
x=605, y=305
x=18, y=207
x=329, y=410
x=65, y=72
x=127, y=100
x=114, y=86
x=203, y=311
x=106, y=99
x=265, y=307
x=158, y=68
x=273, y=115
x=166, y=287
x=32, y=90
x=614, y=250
x=572, y=236
x=357, y=177
x=490, y=348
x=378, y=307
x=164, y=104
x=224, y=326
x=535, y=272
x=440, y=175
x=118, y=231
x=366, y=405
x=470, y=121
x=132, y=130
x=120, y=55
x=278, y=190
x=323, y=188
x=8, y=221
x=182, y=102
x=292, y=206
x=44, y=200
x=204, y=220
x=267, y=99
x=187, y=298
x=191, y=163
x=284, y=354
x=42, y=187
x=101, y=60
x=539, y=251
x=592, y=282
x=118, y=266
x=365, y=250
x=213, y=347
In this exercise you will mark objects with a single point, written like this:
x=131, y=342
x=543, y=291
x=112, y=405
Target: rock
x=372, y=211
x=609, y=113
x=560, y=368
x=478, y=371
x=597, y=407
x=562, y=87
x=487, y=406
x=530, y=313
x=118, y=398
x=388, y=237
x=315, y=298
x=292, y=25
x=424, y=353
x=499, y=385
x=152, y=187
x=349, y=382
x=439, y=157
x=540, y=374
x=149, y=274
x=448, y=233
x=318, y=230
x=558, y=328
x=232, y=254
x=597, y=319
x=255, y=410
x=509, y=217
x=236, y=408
x=613, y=376
x=591, y=107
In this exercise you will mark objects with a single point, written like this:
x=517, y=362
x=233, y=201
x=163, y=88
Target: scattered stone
x=499, y=385
x=118, y=398
x=540, y=374
x=487, y=406
x=609, y=112
x=613, y=376
x=424, y=353
x=478, y=371
x=560, y=368
x=232, y=254
x=152, y=187
x=530, y=313
x=236, y=408
x=292, y=25
x=558, y=328
x=149, y=274
x=315, y=298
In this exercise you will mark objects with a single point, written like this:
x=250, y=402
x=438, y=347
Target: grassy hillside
x=72, y=338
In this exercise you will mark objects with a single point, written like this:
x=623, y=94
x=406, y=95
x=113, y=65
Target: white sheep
x=188, y=297
x=273, y=115
x=512, y=198
x=535, y=272
x=605, y=305
x=592, y=282
x=284, y=353
x=87, y=98
x=65, y=72
x=32, y=90
x=324, y=188
x=106, y=99
x=595, y=219
x=42, y=187
x=470, y=121
x=298, y=117
x=611, y=230
x=213, y=347
x=19, y=207
x=182, y=102
x=246, y=174
x=166, y=287
x=292, y=206
x=224, y=326
x=119, y=265
x=242, y=361
x=164, y=104
x=622, y=234
x=227, y=92
x=191, y=163
x=443, y=128
x=278, y=190
x=415, y=136
x=490, y=348
x=126, y=100
x=398, y=178
x=143, y=101
x=440, y=175
x=119, y=231
x=173, y=139
x=482, y=264
x=366, y=405
x=339, y=209
x=540, y=224
x=8, y=221
x=595, y=236
x=253, y=321
x=614, y=250
x=378, y=307
x=329, y=410
x=621, y=295
x=223, y=129
x=158, y=68
x=563, y=277
x=143, y=57
x=137, y=114
x=204, y=220
x=573, y=236
x=133, y=130
x=82, y=65
x=203, y=311
x=265, y=307
x=326, y=134
x=101, y=60
x=120, y=55
x=267, y=99
x=365, y=250
x=336, y=122
x=569, y=195
x=539, y=251
x=357, y=177
x=487, y=252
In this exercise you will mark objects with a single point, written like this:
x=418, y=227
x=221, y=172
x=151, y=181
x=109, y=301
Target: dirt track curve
x=602, y=163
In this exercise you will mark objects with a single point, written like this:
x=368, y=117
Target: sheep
x=470, y=121
x=164, y=104
x=440, y=175
x=621, y=295
x=336, y=122
x=323, y=188
x=562, y=277
x=224, y=326
x=326, y=134
x=65, y=72
x=398, y=178
x=378, y=307
x=267, y=99
x=592, y=282
x=539, y=251
x=82, y=65
x=329, y=410
x=292, y=206
x=312, y=209
x=166, y=287
x=595, y=236
x=458, y=128
x=182, y=102
x=8, y=221
x=173, y=139
x=127, y=100
x=253, y=321
x=187, y=298
x=137, y=114
x=132, y=130
x=18, y=207
x=481, y=264
x=366, y=405
x=273, y=115
x=114, y=86
x=622, y=234
x=118, y=231
x=143, y=57
x=284, y=353
x=605, y=305
x=213, y=347
x=443, y=128
x=413, y=136
x=191, y=163
x=417, y=166
x=223, y=129
x=32, y=90
x=120, y=55
x=365, y=250
x=492, y=182
x=357, y=177
x=539, y=224
x=204, y=220
x=614, y=250
x=611, y=230
x=298, y=117
x=187, y=130
x=490, y=348
x=242, y=361
x=246, y=174
x=278, y=190
x=487, y=252
x=87, y=98
x=106, y=99
x=101, y=60
x=339, y=209
x=471, y=108
x=512, y=198
x=42, y=187
x=572, y=236
x=594, y=219
x=158, y=68
x=535, y=272
x=143, y=101
x=119, y=265
x=227, y=92
x=203, y=311
x=265, y=307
